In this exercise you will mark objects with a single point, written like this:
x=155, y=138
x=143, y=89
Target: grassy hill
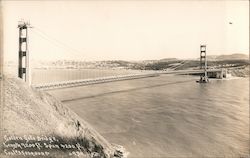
x=28, y=112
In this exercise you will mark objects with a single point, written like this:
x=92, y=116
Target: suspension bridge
x=24, y=69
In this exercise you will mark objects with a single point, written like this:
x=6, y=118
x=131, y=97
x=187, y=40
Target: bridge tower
x=23, y=58
x=203, y=64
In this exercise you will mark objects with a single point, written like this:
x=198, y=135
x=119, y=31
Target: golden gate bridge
x=24, y=69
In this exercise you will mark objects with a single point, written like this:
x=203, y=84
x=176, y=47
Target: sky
x=126, y=29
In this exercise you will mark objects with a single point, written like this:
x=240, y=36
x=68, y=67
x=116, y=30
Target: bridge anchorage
x=203, y=65
x=23, y=60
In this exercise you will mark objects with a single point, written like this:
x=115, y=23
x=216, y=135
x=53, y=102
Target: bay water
x=166, y=116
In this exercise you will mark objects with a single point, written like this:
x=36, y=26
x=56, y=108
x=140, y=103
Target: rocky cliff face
x=30, y=112
x=240, y=72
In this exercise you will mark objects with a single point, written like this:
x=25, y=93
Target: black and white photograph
x=124, y=79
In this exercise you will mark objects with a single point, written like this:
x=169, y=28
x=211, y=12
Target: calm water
x=57, y=75
x=167, y=116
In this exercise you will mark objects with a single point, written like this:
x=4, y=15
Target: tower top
x=23, y=24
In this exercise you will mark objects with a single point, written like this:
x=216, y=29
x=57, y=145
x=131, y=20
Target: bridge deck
x=73, y=83
x=82, y=82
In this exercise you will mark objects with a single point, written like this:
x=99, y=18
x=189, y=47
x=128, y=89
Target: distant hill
x=228, y=57
x=168, y=59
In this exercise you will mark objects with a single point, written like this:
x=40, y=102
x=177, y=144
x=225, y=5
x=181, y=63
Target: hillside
x=240, y=72
x=228, y=57
x=30, y=112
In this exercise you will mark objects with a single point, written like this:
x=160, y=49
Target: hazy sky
x=126, y=29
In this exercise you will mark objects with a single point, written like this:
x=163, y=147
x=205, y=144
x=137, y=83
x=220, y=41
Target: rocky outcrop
x=240, y=72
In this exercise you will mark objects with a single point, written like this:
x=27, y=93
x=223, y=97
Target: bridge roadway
x=82, y=82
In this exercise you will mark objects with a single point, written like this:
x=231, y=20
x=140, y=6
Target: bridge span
x=24, y=69
x=215, y=73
